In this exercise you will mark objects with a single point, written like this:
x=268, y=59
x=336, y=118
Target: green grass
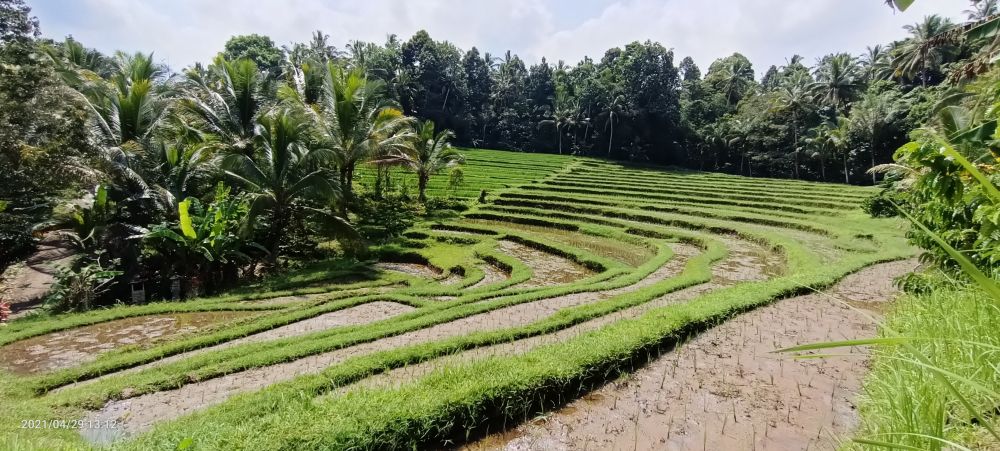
x=956, y=329
x=617, y=220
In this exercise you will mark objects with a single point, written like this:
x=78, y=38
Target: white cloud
x=767, y=31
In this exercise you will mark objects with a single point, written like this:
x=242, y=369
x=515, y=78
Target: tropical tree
x=429, y=153
x=206, y=241
x=838, y=78
x=357, y=122
x=794, y=97
x=872, y=116
x=876, y=63
x=817, y=145
x=838, y=136
x=922, y=53
x=733, y=76
x=285, y=168
x=564, y=115
x=615, y=109
x=225, y=100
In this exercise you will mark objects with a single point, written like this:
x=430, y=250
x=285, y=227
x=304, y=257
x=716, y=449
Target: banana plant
x=205, y=239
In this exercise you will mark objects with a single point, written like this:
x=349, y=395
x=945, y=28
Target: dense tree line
x=829, y=121
x=211, y=172
x=206, y=177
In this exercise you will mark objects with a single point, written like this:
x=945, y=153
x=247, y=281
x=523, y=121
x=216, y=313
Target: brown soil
x=297, y=298
x=25, y=285
x=547, y=269
x=452, y=279
x=746, y=264
x=73, y=347
x=726, y=389
x=413, y=269
x=361, y=314
x=140, y=413
x=738, y=251
x=492, y=275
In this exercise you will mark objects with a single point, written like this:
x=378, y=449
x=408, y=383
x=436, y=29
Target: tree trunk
x=279, y=223
x=873, y=158
x=346, y=187
x=847, y=175
x=560, y=139
x=795, y=143
x=822, y=167
x=611, y=138
x=422, y=180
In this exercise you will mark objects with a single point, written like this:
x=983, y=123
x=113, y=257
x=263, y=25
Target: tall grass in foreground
x=936, y=380
x=904, y=401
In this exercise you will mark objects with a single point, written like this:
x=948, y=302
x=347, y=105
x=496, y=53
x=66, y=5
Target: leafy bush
x=881, y=204
x=78, y=290
x=438, y=203
x=15, y=238
x=920, y=283
x=381, y=220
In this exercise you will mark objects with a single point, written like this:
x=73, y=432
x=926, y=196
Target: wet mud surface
x=140, y=413
x=726, y=389
x=547, y=269
x=83, y=344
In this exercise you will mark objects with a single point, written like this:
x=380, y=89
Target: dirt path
x=83, y=344
x=139, y=413
x=725, y=389
x=27, y=284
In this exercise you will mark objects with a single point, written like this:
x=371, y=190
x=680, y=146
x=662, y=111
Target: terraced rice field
x=585, y=305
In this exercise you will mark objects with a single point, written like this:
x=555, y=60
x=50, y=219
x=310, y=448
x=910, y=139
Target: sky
x=181, y=32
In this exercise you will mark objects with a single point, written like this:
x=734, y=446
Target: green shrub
x=381, y=220
x=79, y=289
x=881, y=204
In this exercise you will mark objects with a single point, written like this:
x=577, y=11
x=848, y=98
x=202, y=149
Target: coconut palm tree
x=564, y=115
x=615, y=109
x=922, y=53
x=816, y=144
x=429, y=153
x=226, y=99
x=836, y=136
x=738, y=79
x=876, y=63
x=794, y=97
x=871, y=116
x=284, y=168
x=357, y=121
x=838, y=78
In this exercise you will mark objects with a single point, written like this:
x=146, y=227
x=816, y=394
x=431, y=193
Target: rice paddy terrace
x=583, y=305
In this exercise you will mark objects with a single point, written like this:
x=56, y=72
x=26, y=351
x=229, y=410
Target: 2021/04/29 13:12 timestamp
x=69, y=424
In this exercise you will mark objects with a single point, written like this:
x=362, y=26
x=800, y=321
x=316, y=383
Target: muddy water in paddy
x=140, y=413
x=353, y=316
x=725, y=389
x=547, y=269
x=492, y=275
x=742, y=255
x=297, y=298
x=83, y=344
x=413, y=269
